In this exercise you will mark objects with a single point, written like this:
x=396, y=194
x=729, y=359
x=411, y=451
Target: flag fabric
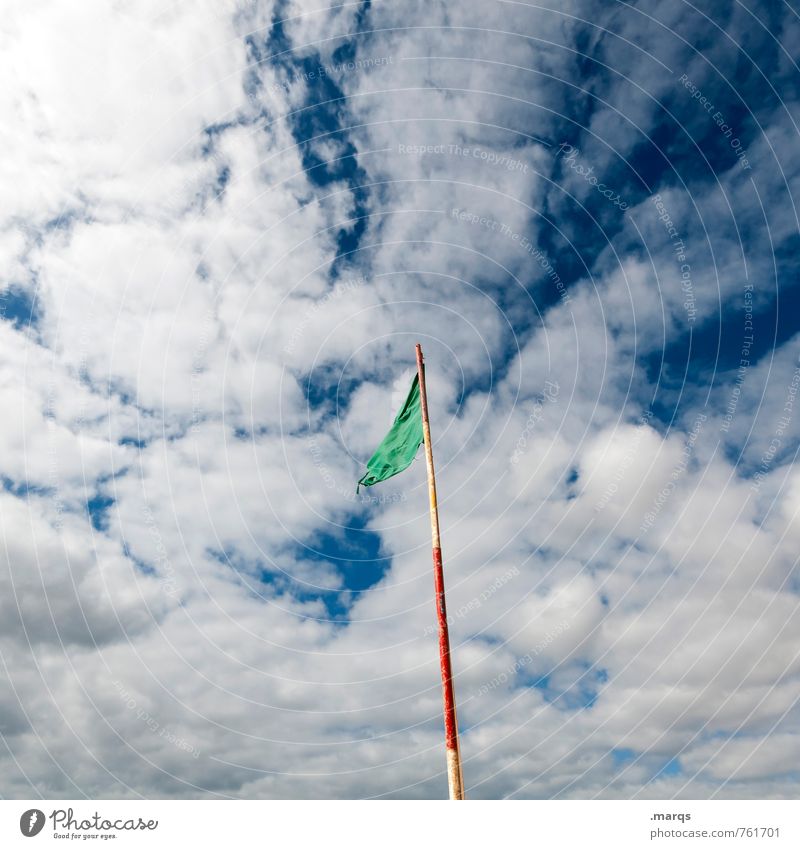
x=399, y=446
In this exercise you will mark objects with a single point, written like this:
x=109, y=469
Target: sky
x=226, y=224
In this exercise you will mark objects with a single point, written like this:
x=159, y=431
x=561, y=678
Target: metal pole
x=455, y=778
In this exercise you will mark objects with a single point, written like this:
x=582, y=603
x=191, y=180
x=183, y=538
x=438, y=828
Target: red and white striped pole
x=455, y=778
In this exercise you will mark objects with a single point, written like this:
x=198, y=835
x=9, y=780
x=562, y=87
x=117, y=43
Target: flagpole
x=455, y=778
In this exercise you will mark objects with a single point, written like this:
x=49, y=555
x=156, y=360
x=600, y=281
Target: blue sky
x=225, y=236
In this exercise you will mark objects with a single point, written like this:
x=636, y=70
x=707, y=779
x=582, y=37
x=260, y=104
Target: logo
x=31, y=822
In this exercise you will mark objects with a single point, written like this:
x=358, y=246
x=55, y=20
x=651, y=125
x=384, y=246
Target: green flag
x=399, y=446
